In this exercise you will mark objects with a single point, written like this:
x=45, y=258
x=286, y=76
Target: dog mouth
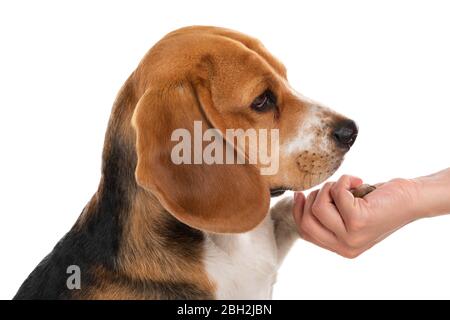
x=276, y=192
x=314, y=167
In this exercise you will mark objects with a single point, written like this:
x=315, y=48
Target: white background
x=384, y=63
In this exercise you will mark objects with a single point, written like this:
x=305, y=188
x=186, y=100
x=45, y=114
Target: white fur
x=243, y=266
x=305, y=138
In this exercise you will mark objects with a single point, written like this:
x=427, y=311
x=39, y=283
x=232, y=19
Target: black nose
x=345, y=133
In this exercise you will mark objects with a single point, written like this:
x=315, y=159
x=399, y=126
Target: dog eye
x=264, y=102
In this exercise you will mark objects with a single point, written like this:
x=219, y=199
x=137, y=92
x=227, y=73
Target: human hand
x=334, y=219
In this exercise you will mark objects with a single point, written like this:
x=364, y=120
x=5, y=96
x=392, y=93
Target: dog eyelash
x=264, y=102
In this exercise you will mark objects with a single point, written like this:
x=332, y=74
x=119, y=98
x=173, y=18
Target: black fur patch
x=180, y=239
x=96, y=241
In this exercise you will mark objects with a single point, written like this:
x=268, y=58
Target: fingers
x=325, y=211
x=311, y=226
x=299, y=204
x=342, y=197
x=312, y=230
x=331, y=218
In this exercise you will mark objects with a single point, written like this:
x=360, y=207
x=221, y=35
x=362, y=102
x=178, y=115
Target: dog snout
x=345, y=133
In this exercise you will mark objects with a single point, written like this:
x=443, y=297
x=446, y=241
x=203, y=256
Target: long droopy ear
x=220, y=198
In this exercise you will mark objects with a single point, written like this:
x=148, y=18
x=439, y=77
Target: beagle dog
x=160, y=230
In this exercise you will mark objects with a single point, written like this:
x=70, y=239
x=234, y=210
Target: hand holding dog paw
x=348, y=217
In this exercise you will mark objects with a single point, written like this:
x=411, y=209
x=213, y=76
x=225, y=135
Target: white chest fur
x=243, y=266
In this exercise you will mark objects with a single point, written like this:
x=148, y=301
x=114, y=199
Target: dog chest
x=243, y=266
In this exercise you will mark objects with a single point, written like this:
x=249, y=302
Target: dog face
x=228, y=80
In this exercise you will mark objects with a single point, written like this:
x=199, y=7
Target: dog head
x=201, y=78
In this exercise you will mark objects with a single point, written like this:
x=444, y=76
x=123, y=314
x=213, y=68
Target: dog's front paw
x=362, y=190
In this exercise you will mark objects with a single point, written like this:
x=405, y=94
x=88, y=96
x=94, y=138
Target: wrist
x=433, y=194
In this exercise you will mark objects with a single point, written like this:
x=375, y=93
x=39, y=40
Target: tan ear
x=222, y=198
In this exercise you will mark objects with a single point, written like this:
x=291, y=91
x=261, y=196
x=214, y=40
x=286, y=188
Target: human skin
x=335, y=220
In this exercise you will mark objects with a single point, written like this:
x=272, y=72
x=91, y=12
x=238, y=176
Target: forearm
x=434, y=194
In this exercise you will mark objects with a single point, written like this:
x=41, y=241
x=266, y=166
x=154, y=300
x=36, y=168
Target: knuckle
x=334, y=190
x=356, y=223
x=353, y=242
x=349, y=253
x=399, y=181
x=329, y=185
x=316, y=209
